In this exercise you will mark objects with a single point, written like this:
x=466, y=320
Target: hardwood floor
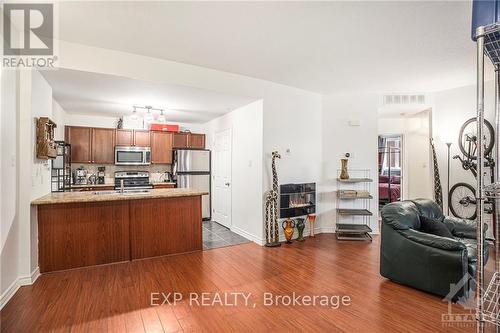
x=117, y=297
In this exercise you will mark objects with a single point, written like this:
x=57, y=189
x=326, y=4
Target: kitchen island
x=77, y=229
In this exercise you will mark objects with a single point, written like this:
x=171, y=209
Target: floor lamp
x=448, y=181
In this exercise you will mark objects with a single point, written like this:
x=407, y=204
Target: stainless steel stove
x=132, y=180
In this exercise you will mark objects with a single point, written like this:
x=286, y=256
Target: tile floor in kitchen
x=216, y=235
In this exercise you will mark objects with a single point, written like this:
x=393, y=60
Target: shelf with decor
x=355, y=180
x=353, y=205
x=353, y=195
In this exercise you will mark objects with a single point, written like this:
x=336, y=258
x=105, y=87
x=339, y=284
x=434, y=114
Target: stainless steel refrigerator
x=192, y=169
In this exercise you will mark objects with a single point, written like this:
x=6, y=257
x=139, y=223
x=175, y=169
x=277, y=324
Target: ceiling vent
x=404, y=99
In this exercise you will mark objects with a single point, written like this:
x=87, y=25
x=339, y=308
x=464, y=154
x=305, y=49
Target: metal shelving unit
x=353, y=206
x=61, y=168
x=487, y=307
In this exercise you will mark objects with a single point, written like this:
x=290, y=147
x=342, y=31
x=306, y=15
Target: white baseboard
x=247, y=235
x=16, y=284
x=327, y=230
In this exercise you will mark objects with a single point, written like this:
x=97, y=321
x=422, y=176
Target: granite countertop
x=98, y=196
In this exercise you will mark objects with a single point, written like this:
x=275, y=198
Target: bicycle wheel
x=468, y=134
x=462, y=201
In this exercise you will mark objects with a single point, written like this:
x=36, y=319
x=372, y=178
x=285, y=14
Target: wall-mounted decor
x=45, y=146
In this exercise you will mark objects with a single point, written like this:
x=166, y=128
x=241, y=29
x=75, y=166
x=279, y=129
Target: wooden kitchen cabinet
x=181, y=140
x=124, y=137
x=128, y=137
x=83, y=234
x=142, y=138
x=196, y=141
x=189, y=140
x=161, y=147
x=103, y=145
x=80, y=140
x=161, y=227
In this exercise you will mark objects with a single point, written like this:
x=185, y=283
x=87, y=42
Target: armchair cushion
x=429, y=208
x=434, y=227
x=462, y=228
x=434, y=241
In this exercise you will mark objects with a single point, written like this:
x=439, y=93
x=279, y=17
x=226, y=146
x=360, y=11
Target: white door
x=418, y=155
x=221, y=173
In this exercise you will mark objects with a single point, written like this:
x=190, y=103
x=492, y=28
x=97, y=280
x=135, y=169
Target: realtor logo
x=29, y=39
x=28, y=29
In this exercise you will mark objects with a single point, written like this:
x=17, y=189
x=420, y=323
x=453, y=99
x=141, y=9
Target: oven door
x=132, y=156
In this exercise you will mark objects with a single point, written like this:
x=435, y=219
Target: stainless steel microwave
x=125, y=155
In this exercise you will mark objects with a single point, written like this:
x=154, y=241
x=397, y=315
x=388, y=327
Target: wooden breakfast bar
x=77, y=229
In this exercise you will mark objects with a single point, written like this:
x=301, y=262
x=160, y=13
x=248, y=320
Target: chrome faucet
x=121, y=186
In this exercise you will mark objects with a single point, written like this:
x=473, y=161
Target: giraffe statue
x=272, y=233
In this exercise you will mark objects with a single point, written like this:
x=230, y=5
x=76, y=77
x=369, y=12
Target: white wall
x=338, y=138
x=246, y=124
x=59, y=116
x=451, y=109
x=9, y=223
x=41, y=105
x=33, y=98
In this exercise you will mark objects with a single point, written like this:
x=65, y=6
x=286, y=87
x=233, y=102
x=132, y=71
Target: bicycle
x=462, y=196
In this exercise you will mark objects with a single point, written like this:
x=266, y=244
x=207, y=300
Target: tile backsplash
x=156, y=171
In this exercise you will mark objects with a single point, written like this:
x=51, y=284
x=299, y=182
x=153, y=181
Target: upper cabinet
x=91, y=145
x=126, y=137
x=189, y=140
x=80, y=140
x=196, y=141
x=142, y=139
x=161, y=147
x=103, y=145
x=97, y=145
x=181, y=140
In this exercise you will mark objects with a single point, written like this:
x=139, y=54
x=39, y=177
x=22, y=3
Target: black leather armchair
x=425, y=261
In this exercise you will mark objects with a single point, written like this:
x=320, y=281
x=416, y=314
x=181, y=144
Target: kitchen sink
x=105, y=192
x=125, y=192
x=132, y=192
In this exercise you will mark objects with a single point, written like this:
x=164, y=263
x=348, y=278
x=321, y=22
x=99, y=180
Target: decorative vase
x=299, y=223
x=343, y=171
x=312, y=218
x=288, y=226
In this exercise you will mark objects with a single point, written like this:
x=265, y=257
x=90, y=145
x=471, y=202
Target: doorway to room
x=390, y=168
x=404, y=156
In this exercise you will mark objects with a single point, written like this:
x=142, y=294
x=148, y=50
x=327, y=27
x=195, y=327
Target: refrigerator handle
x=174, y=167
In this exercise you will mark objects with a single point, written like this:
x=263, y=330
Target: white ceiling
x=107, y=95
x=326, y=47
